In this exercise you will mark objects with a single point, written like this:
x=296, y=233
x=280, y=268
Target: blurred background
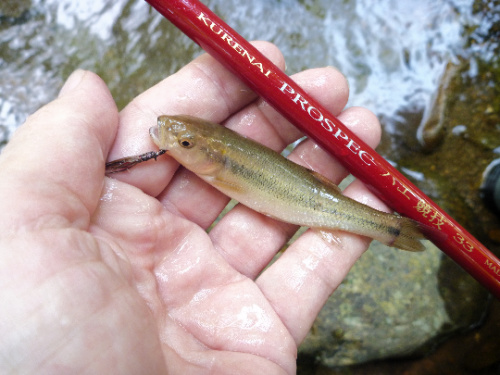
x=428, y=69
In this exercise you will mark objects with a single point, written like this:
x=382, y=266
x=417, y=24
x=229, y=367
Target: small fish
x=267, y=182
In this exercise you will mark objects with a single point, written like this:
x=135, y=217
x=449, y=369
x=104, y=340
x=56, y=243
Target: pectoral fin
x=227, y=187
x=325, y=181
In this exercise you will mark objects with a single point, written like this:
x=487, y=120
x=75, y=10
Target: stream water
x=392, y=51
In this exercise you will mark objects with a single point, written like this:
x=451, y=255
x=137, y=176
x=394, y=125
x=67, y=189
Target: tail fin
x=409, y=237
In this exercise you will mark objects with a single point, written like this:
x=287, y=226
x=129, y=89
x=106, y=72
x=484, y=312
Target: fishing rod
x=228, y=47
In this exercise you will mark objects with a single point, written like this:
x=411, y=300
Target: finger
x=203, y=88
x=190, y=197
x=360, y=121
x=259, y=121
x=311, y=269
x=247, y=240
x=55, y=161
x=265, y=125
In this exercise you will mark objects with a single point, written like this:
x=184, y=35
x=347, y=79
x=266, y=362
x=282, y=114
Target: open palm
x=118, y=275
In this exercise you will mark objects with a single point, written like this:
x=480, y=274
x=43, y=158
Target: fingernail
x=72, y=82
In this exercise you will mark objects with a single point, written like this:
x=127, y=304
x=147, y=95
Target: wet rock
x=390, y=305
x=432, y=128
x=476, y=352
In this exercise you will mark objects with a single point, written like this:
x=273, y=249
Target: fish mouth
x=163, y=139
x=153, y=133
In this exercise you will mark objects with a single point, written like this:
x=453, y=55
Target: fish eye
x=186, y=142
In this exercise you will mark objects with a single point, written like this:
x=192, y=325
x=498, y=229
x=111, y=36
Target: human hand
x=101, y=275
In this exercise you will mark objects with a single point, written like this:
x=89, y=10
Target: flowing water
x=392, y=51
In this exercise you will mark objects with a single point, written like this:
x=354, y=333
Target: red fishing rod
x=261, y=75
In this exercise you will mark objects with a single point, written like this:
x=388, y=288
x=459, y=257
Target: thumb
x=72, y=82
x=54, y=163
